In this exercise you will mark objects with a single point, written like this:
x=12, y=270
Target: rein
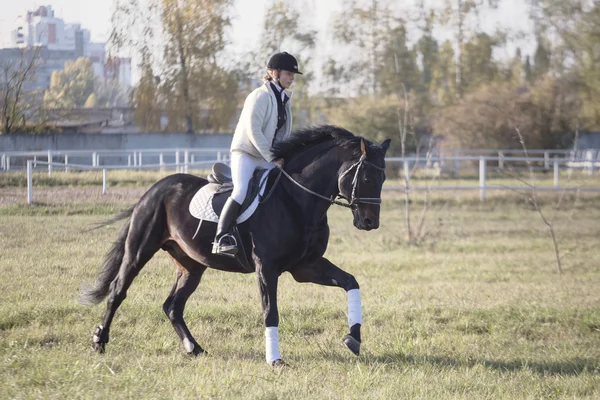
x=353, y=201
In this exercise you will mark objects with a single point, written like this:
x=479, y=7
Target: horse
x=288, y=232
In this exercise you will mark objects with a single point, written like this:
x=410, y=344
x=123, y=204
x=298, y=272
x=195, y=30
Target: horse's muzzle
x=366, y=224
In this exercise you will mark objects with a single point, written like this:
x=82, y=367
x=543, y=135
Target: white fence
x=183, y=167
x=121, y=159
x=453, y=160
x=449, y=165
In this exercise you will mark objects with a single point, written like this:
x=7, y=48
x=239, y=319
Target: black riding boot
x=225, y=243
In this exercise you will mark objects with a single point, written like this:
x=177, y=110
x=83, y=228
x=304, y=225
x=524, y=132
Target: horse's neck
x=321, y=176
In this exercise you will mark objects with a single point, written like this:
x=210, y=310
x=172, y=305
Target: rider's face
x=286, y=78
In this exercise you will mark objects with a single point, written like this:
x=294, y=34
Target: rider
x=266, y=118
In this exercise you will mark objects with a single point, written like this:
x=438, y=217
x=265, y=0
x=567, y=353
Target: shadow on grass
x=574, y=366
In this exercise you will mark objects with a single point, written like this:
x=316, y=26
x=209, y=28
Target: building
x=118, y=68
x=62, y=42
x=42, y=28
x=48, y=62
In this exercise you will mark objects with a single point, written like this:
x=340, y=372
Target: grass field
x=475, y=310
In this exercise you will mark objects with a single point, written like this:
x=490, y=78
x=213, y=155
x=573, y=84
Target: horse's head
x=360, y=182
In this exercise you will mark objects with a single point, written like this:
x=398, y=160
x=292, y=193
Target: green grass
x=474, y=310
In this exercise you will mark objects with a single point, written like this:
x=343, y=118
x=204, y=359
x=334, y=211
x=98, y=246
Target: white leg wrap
x=272, y=344
x=354, y=308
x=189, y=346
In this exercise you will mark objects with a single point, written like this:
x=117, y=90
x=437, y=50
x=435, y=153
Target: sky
x=94, y=15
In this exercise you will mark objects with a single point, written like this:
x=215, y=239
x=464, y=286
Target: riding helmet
x=284, y=61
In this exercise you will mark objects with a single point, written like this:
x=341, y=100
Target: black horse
x=288, y=232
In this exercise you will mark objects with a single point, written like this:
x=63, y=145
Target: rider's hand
x=279, y=163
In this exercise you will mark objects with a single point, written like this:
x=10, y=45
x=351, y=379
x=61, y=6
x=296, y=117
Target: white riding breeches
x=242, y=169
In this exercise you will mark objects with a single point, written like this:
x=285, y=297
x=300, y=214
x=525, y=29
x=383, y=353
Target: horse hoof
x=352, y=344
x=198, y=351
x=99, y=347
x=279, y=363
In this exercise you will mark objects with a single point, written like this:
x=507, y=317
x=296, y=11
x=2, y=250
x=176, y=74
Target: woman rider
x=265, y=119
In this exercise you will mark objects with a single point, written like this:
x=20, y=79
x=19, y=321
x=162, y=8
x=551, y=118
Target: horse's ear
x=363, y=149
x=385, y=145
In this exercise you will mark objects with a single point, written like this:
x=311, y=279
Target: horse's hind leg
x=189, y=273
x=323, y=272
x=143, y=241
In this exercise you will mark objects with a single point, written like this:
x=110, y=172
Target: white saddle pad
x=201, y=204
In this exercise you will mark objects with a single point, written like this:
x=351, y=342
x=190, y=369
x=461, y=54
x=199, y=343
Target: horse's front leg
x=267, y=284
x=323, y=272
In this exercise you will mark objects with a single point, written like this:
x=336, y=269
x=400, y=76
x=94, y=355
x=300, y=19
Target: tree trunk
x=184, y=77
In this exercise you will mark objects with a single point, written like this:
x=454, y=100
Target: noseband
x=353, y=201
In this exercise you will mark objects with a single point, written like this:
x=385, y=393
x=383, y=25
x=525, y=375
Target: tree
x=459, y=15
x=478, y=65
x=111, y=93
x=443, y=82
x=284, y=29
x=145, y=99
x=18, y=98
x=515, y=71
x=71, y=87
x=398, y=63
x=92, y=101
x=194, y=30
x=541, y=59
x=374, y=117
x=364, y=26
x=182, y=40
x=428, y=49
x=543, y=112
x=574, y=23
x=528, y=70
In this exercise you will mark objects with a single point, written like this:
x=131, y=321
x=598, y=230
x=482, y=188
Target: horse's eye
x=366, y=179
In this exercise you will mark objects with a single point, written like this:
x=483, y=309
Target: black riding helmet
x=284, y=61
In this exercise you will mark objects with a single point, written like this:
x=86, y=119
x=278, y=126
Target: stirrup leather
x=229, y=250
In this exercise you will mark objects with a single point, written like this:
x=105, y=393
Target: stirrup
x=229, y=250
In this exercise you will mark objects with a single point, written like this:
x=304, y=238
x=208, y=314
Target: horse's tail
x=95, y=294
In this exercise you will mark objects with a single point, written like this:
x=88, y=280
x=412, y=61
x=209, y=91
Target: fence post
x=66, y=163
x=406, y=168
x=456, y=164
x=94, y=159
x=7, y=163
x=501, y=159
x=135, y=159
x=482, y=178
x=103, y=180
x=29, y=182
x=177, y=160
x=546, y=160
x=556, y=171
x=140, y=159
x=590, y=157
x=2, y=162
x=571, y=158
x=186, y=160
x=49, y=163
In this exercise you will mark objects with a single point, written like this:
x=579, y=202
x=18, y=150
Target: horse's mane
x=305, y=138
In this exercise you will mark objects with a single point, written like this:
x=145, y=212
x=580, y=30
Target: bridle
x=353, y=201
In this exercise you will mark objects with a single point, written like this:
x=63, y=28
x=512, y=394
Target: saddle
x=221, y=174
x=208, y=202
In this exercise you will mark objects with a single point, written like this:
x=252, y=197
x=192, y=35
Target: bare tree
x=532, y=194
x=403, y=117
x=16, y=87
